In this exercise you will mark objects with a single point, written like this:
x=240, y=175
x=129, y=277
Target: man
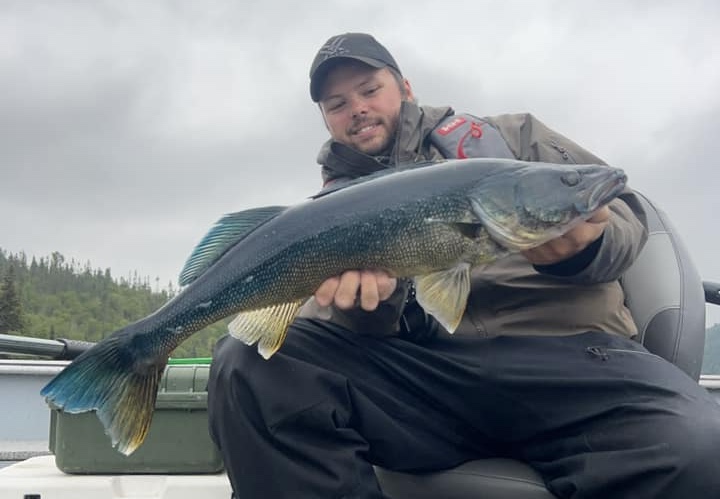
x=542, y=368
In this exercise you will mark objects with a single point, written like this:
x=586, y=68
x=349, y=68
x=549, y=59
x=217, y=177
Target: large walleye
x=432, y=224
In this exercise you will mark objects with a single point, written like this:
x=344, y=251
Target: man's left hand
x=572, y=242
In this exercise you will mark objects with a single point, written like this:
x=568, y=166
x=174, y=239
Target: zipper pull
x=598, y=352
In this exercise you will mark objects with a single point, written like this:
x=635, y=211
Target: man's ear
x=409, y=96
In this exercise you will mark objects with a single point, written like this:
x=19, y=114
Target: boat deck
x=38, y=477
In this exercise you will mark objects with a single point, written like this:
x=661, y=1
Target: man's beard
x=384, y=149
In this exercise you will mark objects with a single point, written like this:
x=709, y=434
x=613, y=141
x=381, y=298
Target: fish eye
x=570, y=179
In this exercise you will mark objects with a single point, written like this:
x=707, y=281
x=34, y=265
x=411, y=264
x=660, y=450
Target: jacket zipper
x=602, y=353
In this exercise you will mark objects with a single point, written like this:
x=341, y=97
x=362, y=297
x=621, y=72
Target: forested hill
x=56, y=298
x=50, y=297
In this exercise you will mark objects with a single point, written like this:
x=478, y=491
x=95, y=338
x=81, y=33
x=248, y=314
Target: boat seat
x=665, y=294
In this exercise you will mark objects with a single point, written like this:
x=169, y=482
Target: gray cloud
x=129, y=127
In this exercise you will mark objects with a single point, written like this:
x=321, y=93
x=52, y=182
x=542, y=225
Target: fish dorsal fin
x=266, y=326
x=225, y=233
x=444, y=294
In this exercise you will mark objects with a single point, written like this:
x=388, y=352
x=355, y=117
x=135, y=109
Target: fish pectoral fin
x=444, y=294
x=471, y=230
x=266, y=326
x=467, y=225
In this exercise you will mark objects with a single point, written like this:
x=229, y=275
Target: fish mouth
x=605, y=191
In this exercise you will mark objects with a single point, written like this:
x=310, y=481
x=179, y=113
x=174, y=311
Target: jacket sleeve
x=607, y=259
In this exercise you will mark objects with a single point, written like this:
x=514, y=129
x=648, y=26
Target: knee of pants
x=233, y=361
x=244, y=383
x=696, y=444
x=237, y=389
x=230, y=351
x=679, y=435
x=227, y=354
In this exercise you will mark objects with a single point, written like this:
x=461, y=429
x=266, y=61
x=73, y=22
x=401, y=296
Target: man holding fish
x=540, y=367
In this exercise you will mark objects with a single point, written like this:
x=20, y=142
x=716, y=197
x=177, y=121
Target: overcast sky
x=129, y=127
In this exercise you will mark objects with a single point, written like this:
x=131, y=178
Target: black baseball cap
x=359, y=46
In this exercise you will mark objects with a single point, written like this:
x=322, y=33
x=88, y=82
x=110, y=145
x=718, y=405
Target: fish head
x=525, y=207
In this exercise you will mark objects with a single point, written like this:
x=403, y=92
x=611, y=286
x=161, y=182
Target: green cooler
x=178, y=441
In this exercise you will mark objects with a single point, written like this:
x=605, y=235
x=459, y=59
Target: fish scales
x=433, y=224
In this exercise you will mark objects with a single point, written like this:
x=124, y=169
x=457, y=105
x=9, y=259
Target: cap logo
x=333, y=48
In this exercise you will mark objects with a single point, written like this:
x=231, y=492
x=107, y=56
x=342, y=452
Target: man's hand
x=572, y=242
x=374, y=286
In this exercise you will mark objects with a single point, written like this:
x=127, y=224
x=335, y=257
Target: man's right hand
x=372, y=287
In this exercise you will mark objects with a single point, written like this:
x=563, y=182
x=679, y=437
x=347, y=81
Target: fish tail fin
x=107, y=379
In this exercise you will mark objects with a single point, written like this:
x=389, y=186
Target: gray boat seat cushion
x=481, y=479
x=665, y=294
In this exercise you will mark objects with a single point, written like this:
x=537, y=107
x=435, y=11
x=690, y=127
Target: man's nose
x=358, y=106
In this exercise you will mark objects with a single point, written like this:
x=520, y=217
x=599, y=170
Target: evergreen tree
x=10, y=309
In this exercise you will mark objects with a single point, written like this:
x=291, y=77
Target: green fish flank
x=433, y=224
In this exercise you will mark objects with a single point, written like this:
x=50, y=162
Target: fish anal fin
x=444, y=294
x=265, y=326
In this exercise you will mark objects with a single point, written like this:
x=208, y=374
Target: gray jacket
x=511, y=296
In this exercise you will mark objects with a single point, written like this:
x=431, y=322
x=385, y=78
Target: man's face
x=361, y=106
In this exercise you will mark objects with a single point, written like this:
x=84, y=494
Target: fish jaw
x=606, y=189
x=543, y=201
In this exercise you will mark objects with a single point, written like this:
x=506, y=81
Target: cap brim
x=318, y=77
